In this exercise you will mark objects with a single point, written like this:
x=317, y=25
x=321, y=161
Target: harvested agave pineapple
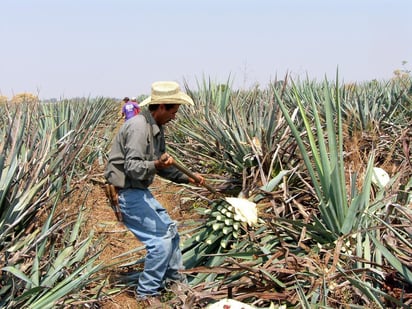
x=226, y=221
x=245, y=210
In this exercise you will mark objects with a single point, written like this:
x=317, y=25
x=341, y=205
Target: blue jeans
x=149, y=221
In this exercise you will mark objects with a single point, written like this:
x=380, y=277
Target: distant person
x=130, y=108
x=124, y=101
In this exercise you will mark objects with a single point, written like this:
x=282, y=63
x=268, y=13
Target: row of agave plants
x=46, y=257
x=308, y=156
x=302, y=152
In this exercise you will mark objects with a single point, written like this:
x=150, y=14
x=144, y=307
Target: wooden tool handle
x=188, y=173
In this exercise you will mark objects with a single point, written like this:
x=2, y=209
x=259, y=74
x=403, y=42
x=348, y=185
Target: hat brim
x=179, y=98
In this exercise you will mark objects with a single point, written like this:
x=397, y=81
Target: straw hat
x=167, y=93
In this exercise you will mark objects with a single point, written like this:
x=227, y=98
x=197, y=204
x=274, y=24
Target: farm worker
x=133, y=162
x=130, y=108
x=124, y=101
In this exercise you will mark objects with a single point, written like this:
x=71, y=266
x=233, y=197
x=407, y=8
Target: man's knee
x=172, y=231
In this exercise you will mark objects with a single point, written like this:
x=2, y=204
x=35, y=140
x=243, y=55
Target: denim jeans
x=149, y=221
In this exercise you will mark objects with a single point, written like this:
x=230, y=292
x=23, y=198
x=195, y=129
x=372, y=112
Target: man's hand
x=165, y=161
x=198, y=181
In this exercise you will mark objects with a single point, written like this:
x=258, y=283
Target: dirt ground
x=118, y=239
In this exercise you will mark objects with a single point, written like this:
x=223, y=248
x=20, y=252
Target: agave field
x=313, y=207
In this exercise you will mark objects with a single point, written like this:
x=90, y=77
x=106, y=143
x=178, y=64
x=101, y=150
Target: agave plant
x=239, y=134
x=46, y=258
x=338, y=231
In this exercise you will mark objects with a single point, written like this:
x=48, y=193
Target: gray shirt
x=131, y=159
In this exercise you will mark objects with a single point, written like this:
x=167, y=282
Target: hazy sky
x=117, y=48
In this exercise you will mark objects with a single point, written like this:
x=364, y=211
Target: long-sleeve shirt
x=131, y=159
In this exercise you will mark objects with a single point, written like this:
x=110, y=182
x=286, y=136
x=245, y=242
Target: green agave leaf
x=371, y=292
x=35, y=271
x=275, y=181
x=29, y=293
x=359, y=203
x=395, y=262
x=58, y=264
x=19, y=274
x=69, y=284
x=274, y=279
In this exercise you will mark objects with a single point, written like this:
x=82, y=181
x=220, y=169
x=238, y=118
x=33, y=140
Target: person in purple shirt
x=130, y=108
